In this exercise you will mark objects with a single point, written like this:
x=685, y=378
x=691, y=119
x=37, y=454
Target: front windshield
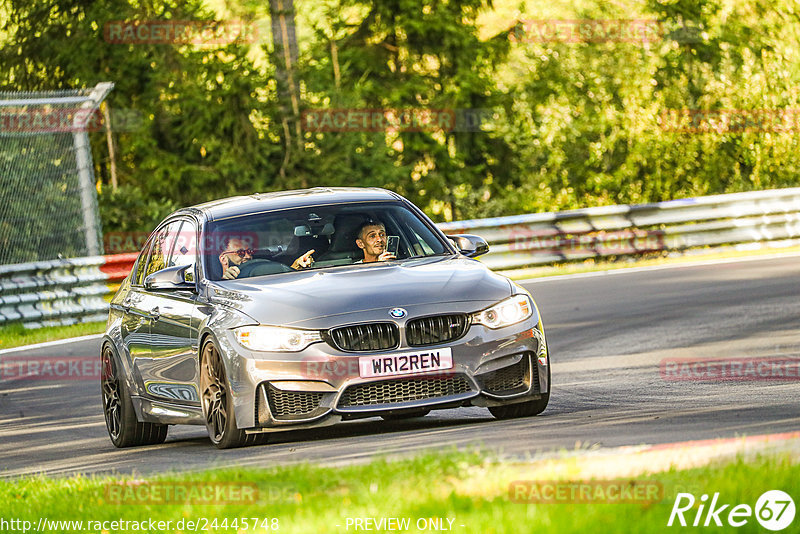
x=316, y=237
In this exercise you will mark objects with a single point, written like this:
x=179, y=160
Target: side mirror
x=170, y=278
x=470, y=245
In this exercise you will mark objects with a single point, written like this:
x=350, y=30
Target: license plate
x=405, y=363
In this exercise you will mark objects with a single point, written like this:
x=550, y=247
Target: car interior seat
x=343, y=242
x=299, y=245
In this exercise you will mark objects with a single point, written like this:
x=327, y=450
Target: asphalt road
x=608, y=336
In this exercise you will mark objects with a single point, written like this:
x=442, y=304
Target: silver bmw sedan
x=300, y=309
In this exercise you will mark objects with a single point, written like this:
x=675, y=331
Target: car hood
x=320, y=299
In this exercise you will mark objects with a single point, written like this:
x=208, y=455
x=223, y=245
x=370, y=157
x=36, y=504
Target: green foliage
x=128, y=209
x=39, y=186
x=566, y=124
x=586, y=124
x=194, y=140
x=405, y=54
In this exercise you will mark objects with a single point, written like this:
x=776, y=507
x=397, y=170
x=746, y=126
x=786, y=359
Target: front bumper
x=321, y=385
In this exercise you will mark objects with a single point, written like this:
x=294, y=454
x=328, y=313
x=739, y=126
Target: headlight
x=505, y=313
x=275, y=338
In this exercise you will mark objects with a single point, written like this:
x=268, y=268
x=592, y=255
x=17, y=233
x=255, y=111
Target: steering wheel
x=259, y=267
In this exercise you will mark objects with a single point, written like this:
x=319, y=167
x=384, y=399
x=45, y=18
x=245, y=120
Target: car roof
x=298, y=198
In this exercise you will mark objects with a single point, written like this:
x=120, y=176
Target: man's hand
x=304, y=261
x=386, y=256
x=230, y=273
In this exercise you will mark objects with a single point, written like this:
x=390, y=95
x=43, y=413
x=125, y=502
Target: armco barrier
x=544, y=238
x=60, y=292
x=68, y=291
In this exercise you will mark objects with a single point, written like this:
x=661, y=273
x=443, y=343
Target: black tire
x=123, y=427
x=217, y=403
x=525, y=409
x=407, y=415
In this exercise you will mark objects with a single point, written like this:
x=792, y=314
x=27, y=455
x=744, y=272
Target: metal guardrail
x=77, y=290
x=771, y=217
x=60, y=292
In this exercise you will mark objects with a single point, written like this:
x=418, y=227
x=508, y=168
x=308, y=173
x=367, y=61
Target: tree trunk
x=285, y=58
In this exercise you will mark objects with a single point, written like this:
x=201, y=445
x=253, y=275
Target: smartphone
x=392, y=244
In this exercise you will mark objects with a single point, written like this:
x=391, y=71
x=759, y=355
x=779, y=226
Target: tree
x=416, y=55
x=196, y=139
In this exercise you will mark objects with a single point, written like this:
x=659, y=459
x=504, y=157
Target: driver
x=235, y=254
x=372, y=241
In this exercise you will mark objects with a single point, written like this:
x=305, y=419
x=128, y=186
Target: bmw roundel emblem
x=398, y=313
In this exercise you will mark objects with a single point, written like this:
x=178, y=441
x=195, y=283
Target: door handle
x=155, y=313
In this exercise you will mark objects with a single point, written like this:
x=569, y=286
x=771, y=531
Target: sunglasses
x=242, y=252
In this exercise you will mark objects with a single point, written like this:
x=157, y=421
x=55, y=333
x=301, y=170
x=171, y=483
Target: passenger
x=235, y=255
x=371, y=238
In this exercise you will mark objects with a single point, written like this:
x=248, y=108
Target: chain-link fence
x=48, y=199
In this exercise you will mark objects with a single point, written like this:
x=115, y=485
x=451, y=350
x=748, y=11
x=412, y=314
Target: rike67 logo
x=774, y=510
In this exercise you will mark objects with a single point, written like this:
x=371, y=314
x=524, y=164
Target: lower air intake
x=292, y=404
x=512, y=379
x=403, y=390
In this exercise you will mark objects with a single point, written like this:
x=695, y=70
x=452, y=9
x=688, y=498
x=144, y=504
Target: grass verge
x=315, y=499
x=16, y=335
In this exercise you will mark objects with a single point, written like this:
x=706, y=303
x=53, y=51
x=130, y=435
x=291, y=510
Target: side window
x=141, y=262
x=421, y=247
x=184, y=250
x=174, y=237
x=423, y=241
x=162, y=247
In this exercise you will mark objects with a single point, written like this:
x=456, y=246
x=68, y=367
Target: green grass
x=456, y=485
x=16, y=335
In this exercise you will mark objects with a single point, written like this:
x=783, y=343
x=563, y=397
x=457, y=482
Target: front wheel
x=218, y=403
x=123, y=427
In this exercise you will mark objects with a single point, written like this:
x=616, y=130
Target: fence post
x=83, y=156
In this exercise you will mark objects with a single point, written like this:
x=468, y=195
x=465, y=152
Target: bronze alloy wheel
x=218, y=403
x=111, y=399
x=124, y=429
